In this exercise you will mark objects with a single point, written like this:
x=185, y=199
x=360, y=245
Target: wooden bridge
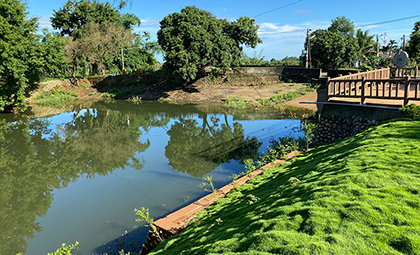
x=387, y=86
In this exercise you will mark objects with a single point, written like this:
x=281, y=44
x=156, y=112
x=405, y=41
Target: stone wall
x=290, y=72
x=333, y=127
x=340, y=121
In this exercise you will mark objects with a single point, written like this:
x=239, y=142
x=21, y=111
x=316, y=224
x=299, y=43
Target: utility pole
x=309, y=50
x=377, y=46
x=307, y=47
x=403, y=46
x=122, y=58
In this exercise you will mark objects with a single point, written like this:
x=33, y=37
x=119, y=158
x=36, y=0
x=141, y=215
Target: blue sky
x=282, y=30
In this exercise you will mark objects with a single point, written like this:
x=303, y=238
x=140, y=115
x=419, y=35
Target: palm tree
x=366, y=45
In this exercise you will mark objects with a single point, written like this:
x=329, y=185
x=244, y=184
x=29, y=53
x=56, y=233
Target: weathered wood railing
x=400, y=72
x=392, y=88
x=383, y=73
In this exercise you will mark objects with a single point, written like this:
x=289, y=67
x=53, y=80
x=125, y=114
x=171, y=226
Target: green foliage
x=64, y=249
x=342, y=25
x=332, y=50
x=413, y=48
x=207, y=181
x=366, y=46
x=411, y=111
x=100, y=42
x=194, y=39
x=281, y=98
x=56, y=98
x=141, y=54
x=144, y=215
x=308, y=127
x=337, y=47
x=24, y=55
x=74, y=15
x=354, y=196
x=236, y=102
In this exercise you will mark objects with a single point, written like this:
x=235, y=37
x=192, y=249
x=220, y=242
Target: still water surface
x=77, y=176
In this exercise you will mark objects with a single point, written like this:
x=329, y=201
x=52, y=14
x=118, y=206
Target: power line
x=372, y=24
x=388, y=21
x=281, y=7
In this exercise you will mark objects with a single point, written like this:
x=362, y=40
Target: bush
x=411, y=111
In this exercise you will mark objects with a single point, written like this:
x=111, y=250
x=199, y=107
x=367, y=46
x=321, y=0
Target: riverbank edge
x=179, y=220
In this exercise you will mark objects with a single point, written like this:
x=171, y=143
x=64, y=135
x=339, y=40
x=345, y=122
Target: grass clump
x=56, y=98
x=236, y=102
x=281, y=98
x=360, y=195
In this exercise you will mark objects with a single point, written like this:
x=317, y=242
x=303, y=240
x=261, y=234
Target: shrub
x=411, y=111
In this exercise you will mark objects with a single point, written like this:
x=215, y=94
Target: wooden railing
x=392, y=88
x=400, y=72
x=383, y=73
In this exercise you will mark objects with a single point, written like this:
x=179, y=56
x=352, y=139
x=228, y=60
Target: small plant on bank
x=411, y=111
x=234, y=179
x=308, y=127
x=145, y=216
x=219, y=221
x=253, y=199
x=249, y=167
x=207, y=181
x=65, y=249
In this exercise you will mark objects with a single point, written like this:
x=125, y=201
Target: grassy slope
x=355, y=196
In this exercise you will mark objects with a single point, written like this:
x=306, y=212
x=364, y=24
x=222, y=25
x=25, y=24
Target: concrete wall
x=278, y=70
x=336, y=73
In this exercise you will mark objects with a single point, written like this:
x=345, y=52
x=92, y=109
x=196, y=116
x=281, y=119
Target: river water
x=78, y=175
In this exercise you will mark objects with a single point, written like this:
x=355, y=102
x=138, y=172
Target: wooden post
x=362, y=101
x=416, y=72
x=407, y=85
x=328, y=88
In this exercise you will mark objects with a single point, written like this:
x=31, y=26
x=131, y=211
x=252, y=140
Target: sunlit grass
x=355, y=196
x=56, y=98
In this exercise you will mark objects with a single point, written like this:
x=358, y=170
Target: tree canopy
x=74, y=15
x=413, y=48
x=336, y=47
x=342, y=25
x=194, y=39
x=24, y=55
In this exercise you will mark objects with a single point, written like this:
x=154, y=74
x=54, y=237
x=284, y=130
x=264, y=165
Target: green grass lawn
x=360, y=195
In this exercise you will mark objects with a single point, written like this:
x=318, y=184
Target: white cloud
x=303, y=11
x=150, y=23
x=273, y=28
x=44, y=22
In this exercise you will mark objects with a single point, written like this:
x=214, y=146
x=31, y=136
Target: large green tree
x=413, y=48
x=100, y=42
x=194, y=39
x=24, y=55
x=334, y=47
x=75, y=14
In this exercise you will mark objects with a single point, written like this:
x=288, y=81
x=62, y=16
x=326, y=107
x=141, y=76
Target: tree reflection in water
x=35, y=160
x=198, y=149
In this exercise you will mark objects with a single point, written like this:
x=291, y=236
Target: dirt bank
x=155, y=87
